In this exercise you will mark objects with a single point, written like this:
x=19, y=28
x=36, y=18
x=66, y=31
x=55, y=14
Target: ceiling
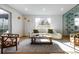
x=3, y=11
x=42, y=9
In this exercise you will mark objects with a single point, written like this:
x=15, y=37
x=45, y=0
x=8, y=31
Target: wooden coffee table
x=34, y=38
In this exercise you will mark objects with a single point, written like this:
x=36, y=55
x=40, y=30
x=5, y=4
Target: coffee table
x=34, y=38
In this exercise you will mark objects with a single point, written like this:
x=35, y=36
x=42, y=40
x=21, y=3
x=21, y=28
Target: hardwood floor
x=67, y=37
x=25, y=47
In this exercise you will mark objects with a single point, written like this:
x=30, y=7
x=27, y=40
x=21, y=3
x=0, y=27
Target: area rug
x=25, y=47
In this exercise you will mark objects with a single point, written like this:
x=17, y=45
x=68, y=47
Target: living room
x=28, y=20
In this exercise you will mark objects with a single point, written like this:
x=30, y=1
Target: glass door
x=5, y=22
x=3, y=25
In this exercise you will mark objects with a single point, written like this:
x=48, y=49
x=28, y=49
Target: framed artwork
x=42, y=22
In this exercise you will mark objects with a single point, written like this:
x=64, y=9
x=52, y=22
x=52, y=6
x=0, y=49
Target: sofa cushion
x=42, y=30
x=50, y=30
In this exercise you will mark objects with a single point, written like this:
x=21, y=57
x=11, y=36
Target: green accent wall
x=68, y=20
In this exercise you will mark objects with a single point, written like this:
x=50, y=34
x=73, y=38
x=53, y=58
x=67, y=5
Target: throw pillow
x=50, y=30
x=35, y=31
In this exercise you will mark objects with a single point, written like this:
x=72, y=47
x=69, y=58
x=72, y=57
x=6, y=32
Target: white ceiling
x=3, y=11
x=37, y=9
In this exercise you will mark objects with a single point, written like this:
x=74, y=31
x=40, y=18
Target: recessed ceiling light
x=62, y=9
x=26, y=9
x=44, y=9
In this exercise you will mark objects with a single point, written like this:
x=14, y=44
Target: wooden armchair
x=9, y=40
x=74, y=39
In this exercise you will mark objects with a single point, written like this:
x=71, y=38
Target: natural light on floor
x=67, y=47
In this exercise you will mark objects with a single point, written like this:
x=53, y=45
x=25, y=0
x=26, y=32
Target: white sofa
x=54, y=35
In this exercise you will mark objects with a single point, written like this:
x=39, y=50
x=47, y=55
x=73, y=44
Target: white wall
x=57, y=23
x=55, y=19
x=20, y=28
x=17, y=25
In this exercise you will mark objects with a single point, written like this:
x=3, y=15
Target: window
x=77, y=22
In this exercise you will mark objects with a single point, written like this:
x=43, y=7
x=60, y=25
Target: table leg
x=50, y=41
x=34, y=40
